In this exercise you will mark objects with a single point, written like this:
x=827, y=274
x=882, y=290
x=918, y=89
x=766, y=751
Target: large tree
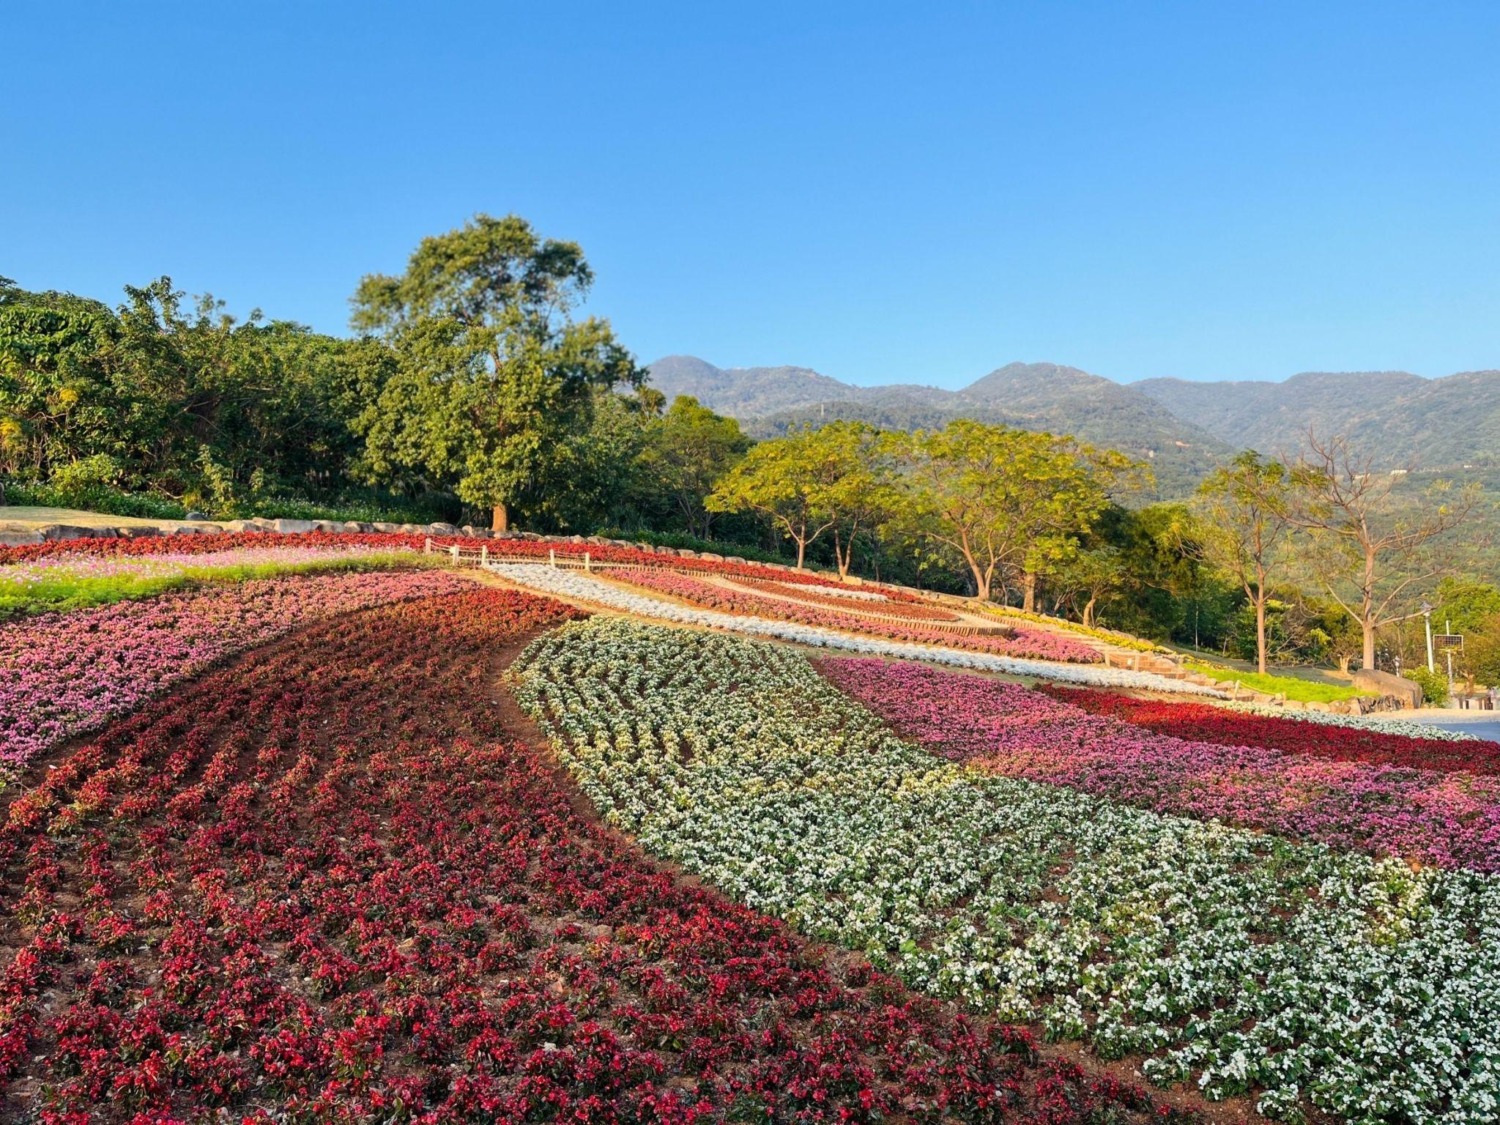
x=1246, y=508
x=688, y=450
x=494, y=376
x=806, y=484
x=998, y=496
x=1373, y=545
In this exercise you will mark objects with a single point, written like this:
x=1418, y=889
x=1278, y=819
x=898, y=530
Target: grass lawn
x=28, y=516
x=1293, y=687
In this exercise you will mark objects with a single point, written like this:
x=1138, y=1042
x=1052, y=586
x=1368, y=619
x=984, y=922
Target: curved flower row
x=571, y=584
x=65, y=673
x=1239, y=961
x=1434, y=817
x=1410, y=746
x=1026, y=645
x=368, y=903
x=863, y=600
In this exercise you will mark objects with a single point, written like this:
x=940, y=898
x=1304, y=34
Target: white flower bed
x=1377, y=722
x=1232, y=960
x=571, y=583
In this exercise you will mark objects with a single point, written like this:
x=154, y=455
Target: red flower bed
x=1200, y=722
x=326, y=883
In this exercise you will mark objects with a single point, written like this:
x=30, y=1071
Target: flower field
x=1023, y=644
x=64, y=673
x=1435, y=817
x=908, y=608
x=333, y=882
x=1320, y=979
x=1369, y=743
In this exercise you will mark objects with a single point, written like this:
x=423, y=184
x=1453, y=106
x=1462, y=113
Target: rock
x=685, y=553
x=386, y=528
x=293, y=527
x=1408, y=691
x=19, y=538
x=351, y=527
x=576, y=539
x=441, y=529
x=195, y=516
x=736, y=559
x=142, y=532
x=709, y=556
x=54, y=531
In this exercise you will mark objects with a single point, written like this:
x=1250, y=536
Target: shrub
x=1434, y=685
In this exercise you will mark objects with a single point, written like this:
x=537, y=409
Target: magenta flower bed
x=1021, y=643
x=1436, y=818
x=64, y=673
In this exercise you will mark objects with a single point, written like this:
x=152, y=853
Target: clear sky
x=914, y=192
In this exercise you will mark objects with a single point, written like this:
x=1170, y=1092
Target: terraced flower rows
x=1235, y=961
x=586, y=588
x=327, y=883
x=1021, y=643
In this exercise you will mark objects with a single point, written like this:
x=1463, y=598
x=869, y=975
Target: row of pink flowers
x=1447, y=819
x=63, y=673
x=1020, y=643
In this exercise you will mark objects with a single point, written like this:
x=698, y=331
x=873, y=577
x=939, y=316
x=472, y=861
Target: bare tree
x=1373, y=548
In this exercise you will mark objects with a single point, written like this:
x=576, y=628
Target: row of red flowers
x=326, y=883
x=1201, y=722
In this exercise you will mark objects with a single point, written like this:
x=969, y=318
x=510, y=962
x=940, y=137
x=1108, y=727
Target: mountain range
x=1181, y=428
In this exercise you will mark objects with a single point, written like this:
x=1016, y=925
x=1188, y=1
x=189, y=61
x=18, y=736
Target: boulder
x=1409, y=692
x=54, y=531
x=18, y=538
x=353, y=527
x=441, y=529
x=736, y=559
x=294, y=527
x=709, y=556
x=195, y=516
x=329, y=525
x=145, y=531
x=685, y=553
x=386, y=528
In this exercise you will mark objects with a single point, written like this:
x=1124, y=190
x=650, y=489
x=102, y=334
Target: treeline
x=473, y=392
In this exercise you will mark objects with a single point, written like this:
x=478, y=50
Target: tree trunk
x=981, y=584
x=1260, y=633
x=801, y=552
x=1088, y=613
x=1367, y=627
x=1028, y=592
x=843, y=554
x=500, y=518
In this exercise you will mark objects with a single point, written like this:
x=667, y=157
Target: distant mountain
x=1182, y=428
x=1034, y=396
x=1406, y=421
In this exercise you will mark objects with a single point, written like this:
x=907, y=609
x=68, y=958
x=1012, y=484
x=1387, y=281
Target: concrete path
x=1481, y=724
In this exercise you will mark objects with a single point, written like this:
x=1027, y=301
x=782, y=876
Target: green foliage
x=1466, y=605
x=687, y=451
x=1434, y=685
x=493, y=381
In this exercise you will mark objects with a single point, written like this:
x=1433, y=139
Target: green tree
x=995, y=495
x=688, y=451
x=494, y=377
x=807, y=483
x=1246, y=508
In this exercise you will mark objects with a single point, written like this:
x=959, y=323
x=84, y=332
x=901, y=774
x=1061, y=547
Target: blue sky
x=913, y=193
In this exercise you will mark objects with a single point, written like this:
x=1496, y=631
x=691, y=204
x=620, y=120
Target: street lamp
x=1426, y=608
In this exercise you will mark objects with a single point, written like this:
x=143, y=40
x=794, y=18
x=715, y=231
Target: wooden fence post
x=427, y=546
x=454, y=550
x=551, y=558
x=586, y=568
x=484, y=554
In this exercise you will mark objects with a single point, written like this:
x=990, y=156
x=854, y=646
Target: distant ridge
x=1183, y=428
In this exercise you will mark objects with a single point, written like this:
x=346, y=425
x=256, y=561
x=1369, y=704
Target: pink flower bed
x=64, y=673
x=1447, y=819
x=1021, y=643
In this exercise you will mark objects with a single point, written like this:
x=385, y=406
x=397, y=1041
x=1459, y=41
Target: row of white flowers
x=1379, y=721
x=572, y=584
x=1234, y=960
